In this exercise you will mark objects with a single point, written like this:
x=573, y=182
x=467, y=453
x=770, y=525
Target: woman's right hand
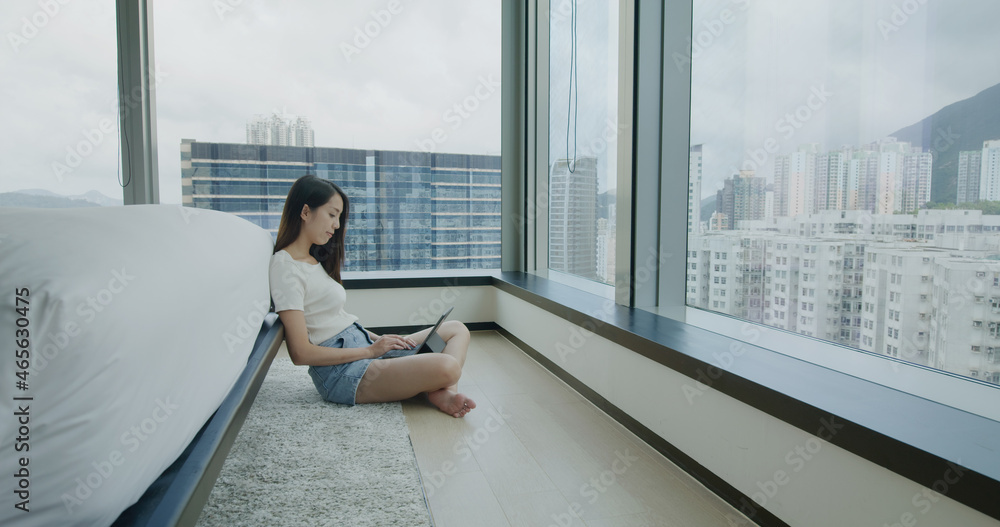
x=387, y=343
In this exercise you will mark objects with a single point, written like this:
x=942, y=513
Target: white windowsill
x=959, y=392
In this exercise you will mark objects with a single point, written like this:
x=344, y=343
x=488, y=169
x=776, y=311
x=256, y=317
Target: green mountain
x=963, y=125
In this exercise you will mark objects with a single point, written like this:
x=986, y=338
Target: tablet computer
x=434, y=343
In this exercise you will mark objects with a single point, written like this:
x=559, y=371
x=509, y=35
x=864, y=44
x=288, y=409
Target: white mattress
x=140, y=319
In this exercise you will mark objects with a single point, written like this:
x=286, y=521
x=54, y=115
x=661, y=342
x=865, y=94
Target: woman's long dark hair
x=315, y=192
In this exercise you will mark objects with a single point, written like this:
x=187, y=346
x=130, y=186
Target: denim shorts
x=339, y=383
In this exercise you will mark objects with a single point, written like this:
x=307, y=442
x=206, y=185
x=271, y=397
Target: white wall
x=421, y=305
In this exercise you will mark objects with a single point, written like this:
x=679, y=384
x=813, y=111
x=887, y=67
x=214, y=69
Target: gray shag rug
x=299, y=460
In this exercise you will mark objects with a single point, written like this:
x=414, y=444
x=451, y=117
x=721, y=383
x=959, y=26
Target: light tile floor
x=536, y=453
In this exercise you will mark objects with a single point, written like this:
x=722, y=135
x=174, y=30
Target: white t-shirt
x=306, y=287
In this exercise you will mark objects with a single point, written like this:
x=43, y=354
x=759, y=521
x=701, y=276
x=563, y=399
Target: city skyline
x=919, y=287
x=408, y=210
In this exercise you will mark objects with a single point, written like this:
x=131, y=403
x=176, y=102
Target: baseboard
x=406, y=330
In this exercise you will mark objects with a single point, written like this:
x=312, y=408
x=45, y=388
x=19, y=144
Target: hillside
x=963, y=125
x=45, y=199
x=17, y=199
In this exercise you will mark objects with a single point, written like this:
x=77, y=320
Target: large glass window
x=842, y=174
x=582, y=138
x=396, y=102
x=59, y=102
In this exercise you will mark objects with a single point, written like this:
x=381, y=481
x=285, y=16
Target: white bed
x=139, y=321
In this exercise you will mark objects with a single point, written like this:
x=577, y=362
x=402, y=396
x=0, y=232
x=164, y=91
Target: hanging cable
x=574, y=91
x=122, y=130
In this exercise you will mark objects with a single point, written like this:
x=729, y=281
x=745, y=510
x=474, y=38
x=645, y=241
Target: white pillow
x=139, y=319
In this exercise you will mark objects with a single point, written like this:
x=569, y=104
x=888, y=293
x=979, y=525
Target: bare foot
x=451, y=403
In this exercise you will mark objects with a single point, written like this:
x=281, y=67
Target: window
x=582, y=138
x=336, y=101
x=66, y=93
x=813, y=142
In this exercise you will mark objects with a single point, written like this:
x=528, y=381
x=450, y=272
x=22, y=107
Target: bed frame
x=178, y=495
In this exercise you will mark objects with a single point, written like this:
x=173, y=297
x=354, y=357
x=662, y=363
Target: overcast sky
x=366, y=77
x=881, y=69
x=397, y=83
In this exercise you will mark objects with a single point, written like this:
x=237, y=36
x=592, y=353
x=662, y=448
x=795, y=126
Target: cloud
x=886, y=69
x=59, y=84
x=222, y=66
x=365, y=76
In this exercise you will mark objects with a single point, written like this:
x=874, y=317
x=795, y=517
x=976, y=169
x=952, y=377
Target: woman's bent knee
x=450, y=371
x=454, y=328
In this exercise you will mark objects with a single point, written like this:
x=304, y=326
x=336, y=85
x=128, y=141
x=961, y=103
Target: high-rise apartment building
x=897, y=303
x=883, y=177
x=725, y=273
x=913, y=189
x=862, y=281
x=408, y=210
x=605, y=251
x=794, y=177
x=694, y=189
x=862, y=193
x=279, y=131
x=969, y=171
x=965, y=328
x=989, y=178
x=573, y=217
x=741, y=198
x=831, y=185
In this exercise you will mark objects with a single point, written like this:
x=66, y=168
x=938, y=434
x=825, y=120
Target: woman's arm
x=305, y=353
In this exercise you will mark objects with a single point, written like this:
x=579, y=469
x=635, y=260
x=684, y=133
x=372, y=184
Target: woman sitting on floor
x=347, y=363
